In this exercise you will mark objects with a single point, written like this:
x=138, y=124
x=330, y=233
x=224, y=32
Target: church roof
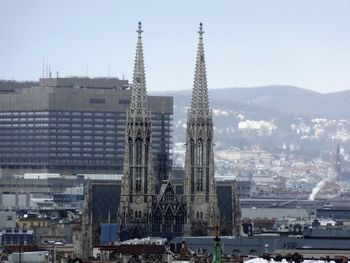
x=167, y=186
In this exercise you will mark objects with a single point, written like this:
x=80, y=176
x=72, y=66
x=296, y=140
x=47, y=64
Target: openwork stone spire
x=199, y=184
x=200, y=102
x=137, y=193
x=139, y=103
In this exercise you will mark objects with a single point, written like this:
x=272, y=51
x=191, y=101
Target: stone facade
x=168, y=213
x=199, y=183
x=138, y=182
x=153, y=207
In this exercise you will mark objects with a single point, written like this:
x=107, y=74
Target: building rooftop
x=85, y=82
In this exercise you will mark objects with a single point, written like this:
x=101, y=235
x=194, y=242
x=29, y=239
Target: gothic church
x=146, y=208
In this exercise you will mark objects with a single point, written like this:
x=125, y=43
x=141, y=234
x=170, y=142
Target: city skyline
x=303, y=44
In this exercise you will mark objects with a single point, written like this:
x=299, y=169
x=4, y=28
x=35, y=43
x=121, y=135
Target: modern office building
x=73, y=125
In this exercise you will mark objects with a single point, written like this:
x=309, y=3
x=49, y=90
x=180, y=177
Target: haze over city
x=249, y=43
x=128, y=132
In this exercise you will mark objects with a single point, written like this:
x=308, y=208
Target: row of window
x=109, y=130
x=24, y=143
x=61, y=113
x=77, y=113
x=96, y=155
x=121, y=126
x=23, y=154
x=8, y=125
x=21, y=113
x=65, y=149
x=37, y=119
x=58, y=160
x=118, y=117
x=75, y=137
x=74, y=140
x=63, y=125
x=43, y=140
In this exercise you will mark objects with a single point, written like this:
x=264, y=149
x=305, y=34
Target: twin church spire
x=138, y=183
x=200, y=100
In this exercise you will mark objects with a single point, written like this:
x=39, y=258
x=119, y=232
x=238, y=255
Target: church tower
x=138, y=190
x=199, y=183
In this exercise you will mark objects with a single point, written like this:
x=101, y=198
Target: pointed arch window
x=208, y=150
x=131, y=175
x=146, y=159
x=199, y=158
x=192, y=161
x=138, y=162
x=138, y=149
x=169, y=218
x=208, y=157
x=130, y=151
x=158, y=218
x=146, y=150
x=192, y=151
x=180, y=218
x=199, y=153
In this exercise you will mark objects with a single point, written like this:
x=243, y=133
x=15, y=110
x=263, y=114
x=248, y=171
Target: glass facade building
x=74, y=125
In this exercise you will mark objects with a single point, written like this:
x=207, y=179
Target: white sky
x=247, y=42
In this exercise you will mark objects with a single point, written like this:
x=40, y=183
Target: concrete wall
x=7, y=219
x=278, y=213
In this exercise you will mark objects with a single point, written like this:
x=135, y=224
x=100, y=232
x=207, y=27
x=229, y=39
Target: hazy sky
x=248, y=43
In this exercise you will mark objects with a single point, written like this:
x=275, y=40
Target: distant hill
x=275, y=99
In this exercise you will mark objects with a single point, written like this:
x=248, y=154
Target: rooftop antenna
x=47, y=71
x=109, y=71
x=123, y=76
x=43, y=68
x=87, y=69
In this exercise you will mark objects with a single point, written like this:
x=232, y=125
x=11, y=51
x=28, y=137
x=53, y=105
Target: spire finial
x=200, y=32
x=139, y=31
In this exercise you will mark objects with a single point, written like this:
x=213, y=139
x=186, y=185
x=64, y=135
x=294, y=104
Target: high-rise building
x=73, y=125
x=138, y=182
x=199, y=183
